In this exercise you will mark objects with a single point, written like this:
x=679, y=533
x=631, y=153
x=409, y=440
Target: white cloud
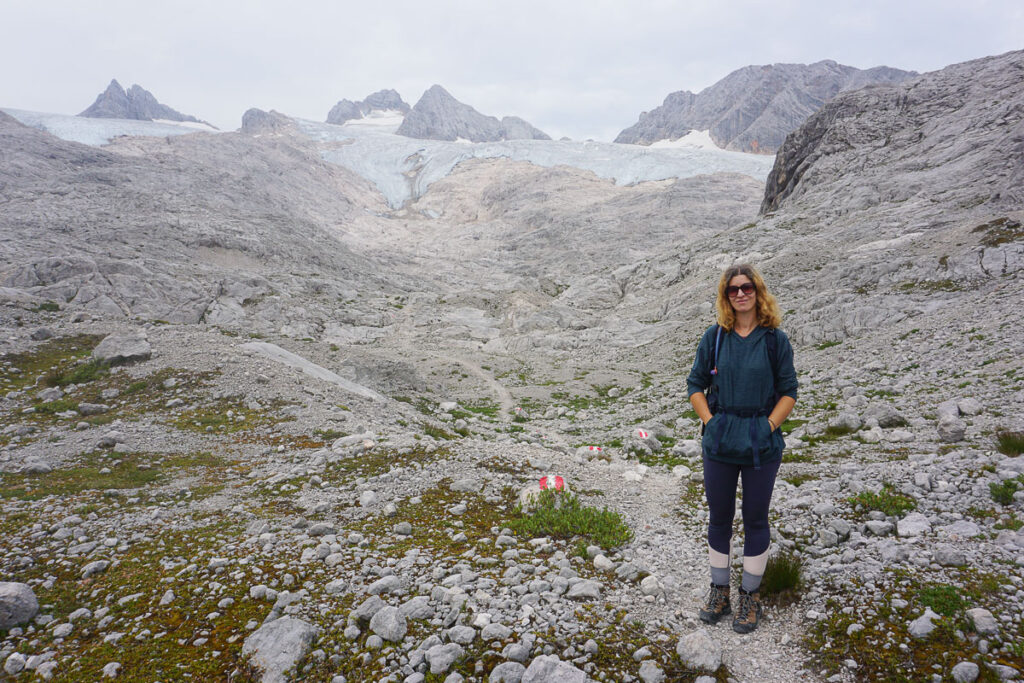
x=578, y=68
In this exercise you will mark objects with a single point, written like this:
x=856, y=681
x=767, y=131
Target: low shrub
x=1010, y=443
x=561, y=515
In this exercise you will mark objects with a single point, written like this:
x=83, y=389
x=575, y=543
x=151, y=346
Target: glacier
x=403, y=168
x=97, y=132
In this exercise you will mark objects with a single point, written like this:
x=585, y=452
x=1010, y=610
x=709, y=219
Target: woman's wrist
x=772, y=423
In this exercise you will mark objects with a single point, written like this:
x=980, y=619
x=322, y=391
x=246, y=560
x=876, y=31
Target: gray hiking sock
x=720, y=576
x=751, y=582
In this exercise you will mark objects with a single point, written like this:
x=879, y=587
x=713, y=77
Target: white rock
x=914, y=524
x=984, y=623
x=699, y=651
x=923, y=626
x=277, y=646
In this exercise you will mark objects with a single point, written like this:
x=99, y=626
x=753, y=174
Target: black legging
x=720, y=490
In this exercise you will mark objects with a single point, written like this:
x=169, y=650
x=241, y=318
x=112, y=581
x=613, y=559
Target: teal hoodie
x=745, y=384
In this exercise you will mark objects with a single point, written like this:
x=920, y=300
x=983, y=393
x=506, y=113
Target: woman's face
x=742, y=294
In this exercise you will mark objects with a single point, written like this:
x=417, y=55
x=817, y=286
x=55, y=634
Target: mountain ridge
x=439, y=116
x=135, y=103
x=753, y=108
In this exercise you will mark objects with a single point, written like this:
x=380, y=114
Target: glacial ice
x=403, y=168
x=96, y=132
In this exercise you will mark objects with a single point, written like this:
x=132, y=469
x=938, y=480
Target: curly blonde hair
x=768, y=313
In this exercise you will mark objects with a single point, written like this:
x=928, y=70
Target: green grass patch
x=61, y=405
x=797, y=456
x=227, y=416
x=888, y=501
x=562, y=515
x=942, y=598
x=79, y=374
x=1000, y=231
x=798, y=479
x=1010, y=443
x=783, y=576
x=21, y=370
x=1002, y=492
x=828, y=344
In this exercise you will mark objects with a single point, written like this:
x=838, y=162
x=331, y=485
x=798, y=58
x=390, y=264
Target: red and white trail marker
x=642, y=434
x=554, y=482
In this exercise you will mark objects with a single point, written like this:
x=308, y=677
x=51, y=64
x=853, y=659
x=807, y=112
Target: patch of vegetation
x=227, y=416
x=1002, y=492
x=21, y=370
x=932, y=286
x=782, y=576
x=102, y=472
x=942, y=598
x=828, y=344
x=79, y=374
x=438, y=433
x=1000, y=231
x=888, y=501
x=831, y=433
x=798, y=479
x=47, y=306
x=329, y=434
x=1010, y=443
x=664, y=459
x=561, y=515
x=795, y=456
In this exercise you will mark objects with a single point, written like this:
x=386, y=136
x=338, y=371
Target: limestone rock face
x=754, y=108
x=382, y=100
x=439, y=116
x=957, y=125
x=135, y=103
x=256, y=121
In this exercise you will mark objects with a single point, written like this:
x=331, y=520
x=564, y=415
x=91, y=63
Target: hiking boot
x=716, y=606
x=748, y=613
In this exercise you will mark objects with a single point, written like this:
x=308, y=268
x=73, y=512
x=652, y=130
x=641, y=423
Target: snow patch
x=386, y=120
x=700, y=139
x=194, y=125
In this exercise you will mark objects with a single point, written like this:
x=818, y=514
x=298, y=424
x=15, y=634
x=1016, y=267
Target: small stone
x=389, y=624
x=403, y=529
x=966, y=672
x=651, y=672
x=984, y=623
x=111, y=670
x=603, y=563
x=94, y=568
x=15, y=663
x=923, y=626
x=367, y=498
x=699, y=651
x=914, y=524
x=550, y=669
x=507, y=672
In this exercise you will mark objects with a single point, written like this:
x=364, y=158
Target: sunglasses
x=732, y=290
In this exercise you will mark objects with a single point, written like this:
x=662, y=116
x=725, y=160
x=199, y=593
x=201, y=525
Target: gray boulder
x=117, y=349
x=18, y=604
x=984, y=622
x=951, y=429
x=550, y=669
x=442, y=657
x=276, y=647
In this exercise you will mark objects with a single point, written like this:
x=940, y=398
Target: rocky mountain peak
x=439, y=116
x=380, y=101
x=256, y=121
x=135, y=103
x=754, y=108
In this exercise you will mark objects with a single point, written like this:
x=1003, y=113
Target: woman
x=746, y=363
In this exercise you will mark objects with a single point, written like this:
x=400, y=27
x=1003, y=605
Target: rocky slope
x=381, y=101
x=137, y=103
x=753, y=109
x=439, y=116
x=323, y=471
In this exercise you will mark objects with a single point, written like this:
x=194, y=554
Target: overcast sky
x=581, y=68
